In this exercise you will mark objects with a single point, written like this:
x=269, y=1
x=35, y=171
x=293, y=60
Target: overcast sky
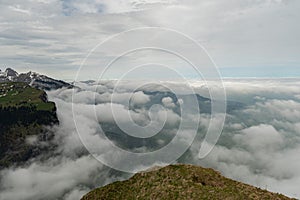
x=244, y=37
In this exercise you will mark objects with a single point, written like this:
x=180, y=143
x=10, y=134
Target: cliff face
x=180, y=182
x=24, y=114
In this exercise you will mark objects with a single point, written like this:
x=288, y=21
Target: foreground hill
x=24, y=113
x=180, y=182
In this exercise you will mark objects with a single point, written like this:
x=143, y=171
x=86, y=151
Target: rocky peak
x=32, y=78
x=11, y=73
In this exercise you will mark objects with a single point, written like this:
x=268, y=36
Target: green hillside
x=24, y=113
x=20, y=94
x=180, y=182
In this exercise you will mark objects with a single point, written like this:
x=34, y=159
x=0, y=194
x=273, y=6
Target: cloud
x=118, y=6
x=168, y=102
x=76, y=193
x=48, y=180
x=63, y=32
x=139, y=98
x=263, y=137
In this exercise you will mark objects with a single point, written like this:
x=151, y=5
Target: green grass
x=20, y=94
x=180, y=182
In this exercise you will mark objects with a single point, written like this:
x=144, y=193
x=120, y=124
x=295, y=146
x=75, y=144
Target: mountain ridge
x=180, y=181
x=33, y=79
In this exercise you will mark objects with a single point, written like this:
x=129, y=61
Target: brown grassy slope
x=180, y=182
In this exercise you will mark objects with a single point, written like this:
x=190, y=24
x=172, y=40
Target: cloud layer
x=54, y=36
x=259, y=145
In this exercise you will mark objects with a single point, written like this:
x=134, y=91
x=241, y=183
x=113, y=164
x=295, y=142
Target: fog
x=259, y=145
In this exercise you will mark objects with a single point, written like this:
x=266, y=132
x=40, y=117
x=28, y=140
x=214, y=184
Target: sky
x=249, y=38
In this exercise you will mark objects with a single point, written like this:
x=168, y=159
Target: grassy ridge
x=180, y=182
x=20, y=94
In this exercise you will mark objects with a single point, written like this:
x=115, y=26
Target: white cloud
x=49, y=180
x=139, y=98
x=168, y=102
x=263, y=137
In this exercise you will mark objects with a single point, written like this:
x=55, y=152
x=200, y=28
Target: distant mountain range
x=32, y=78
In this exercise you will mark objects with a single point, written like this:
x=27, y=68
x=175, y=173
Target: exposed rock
x=32, y=78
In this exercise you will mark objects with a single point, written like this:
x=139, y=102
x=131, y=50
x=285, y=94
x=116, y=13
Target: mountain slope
x=24, y=113
x=180, y=182
x=32, y=78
